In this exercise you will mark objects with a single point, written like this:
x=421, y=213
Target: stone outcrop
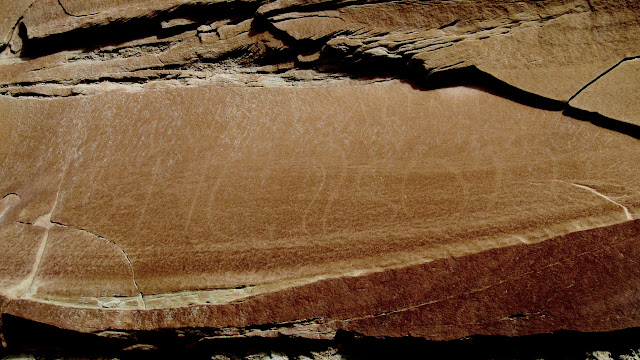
x=434, y=169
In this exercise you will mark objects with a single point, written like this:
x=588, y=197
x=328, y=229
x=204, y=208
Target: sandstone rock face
x=433, y=169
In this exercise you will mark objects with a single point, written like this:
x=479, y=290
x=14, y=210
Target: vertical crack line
x=591, y=7
x=45, y=222
x=133, y=273
x=626, y=210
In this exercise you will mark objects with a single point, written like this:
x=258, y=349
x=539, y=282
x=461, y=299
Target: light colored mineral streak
x=627, y=213
x=6, y=203
x=25, y=289
x=225, y=296
x=626, y=210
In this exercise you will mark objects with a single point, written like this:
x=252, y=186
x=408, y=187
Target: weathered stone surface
x=614, y=94
x=307, y=167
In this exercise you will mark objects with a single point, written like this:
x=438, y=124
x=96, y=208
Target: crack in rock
x=602, y=75
x=472, y=291
x=43, y=221
x=73, y=15
x=141, y=299
x=25, y=290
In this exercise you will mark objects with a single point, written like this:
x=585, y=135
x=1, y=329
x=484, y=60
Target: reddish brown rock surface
x=309, y=167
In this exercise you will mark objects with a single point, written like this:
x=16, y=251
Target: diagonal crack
x=46, y=223
x=477, y=290
x=472, y=291
x=627, y=213
x=133, y=274
x=601, y=75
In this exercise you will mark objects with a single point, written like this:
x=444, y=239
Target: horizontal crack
x=73, y=15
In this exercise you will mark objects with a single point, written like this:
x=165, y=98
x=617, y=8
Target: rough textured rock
x=614, y=94
x=433, y=169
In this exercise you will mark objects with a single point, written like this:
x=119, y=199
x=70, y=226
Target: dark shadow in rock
x=334, y=61
x=603, y=121
x=45, y=341
x=473, y=77
x=557, y=345
x=25, y=336
x=420, y=78
x=121, y=31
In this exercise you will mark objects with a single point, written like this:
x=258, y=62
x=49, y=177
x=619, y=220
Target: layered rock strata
x=435, y=169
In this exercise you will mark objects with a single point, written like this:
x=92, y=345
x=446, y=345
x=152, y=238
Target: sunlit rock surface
x=301, y=168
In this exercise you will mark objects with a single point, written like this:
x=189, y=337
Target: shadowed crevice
x=125, y=30
x=602, y=75
x=603, y=121
x=46, y=341
x=473, y=77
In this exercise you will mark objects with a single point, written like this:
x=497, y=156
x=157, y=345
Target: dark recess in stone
x=473, y=77
x=119, y=32
x=604, y=121
x=48, y=342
